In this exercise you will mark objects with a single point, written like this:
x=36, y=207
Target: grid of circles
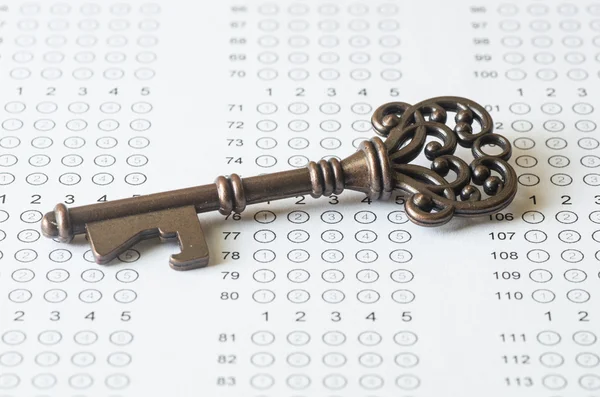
x=59, y=17
x=334, y=231
x=573, y=245
x=60, y=281
x=370, y=36
x=574, y=127
x=45, y=144
x=47, y=360
x=273, y=118
x=405, y=360
x=299, y=381
x=587, y=359
x=60, y=287
x=571, y=252
x=368, y=293
x=101, y=34
x=550, y=40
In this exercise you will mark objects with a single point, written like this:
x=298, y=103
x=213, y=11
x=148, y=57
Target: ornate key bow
x=376, y=169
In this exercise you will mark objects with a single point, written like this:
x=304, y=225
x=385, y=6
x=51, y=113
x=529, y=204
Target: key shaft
x=205, y=198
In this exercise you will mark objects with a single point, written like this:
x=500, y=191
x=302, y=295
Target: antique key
x=377, y=168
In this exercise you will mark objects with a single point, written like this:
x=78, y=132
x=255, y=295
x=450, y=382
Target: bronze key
x=376, y=169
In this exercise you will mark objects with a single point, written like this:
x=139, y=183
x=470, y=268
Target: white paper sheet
x=302, y=297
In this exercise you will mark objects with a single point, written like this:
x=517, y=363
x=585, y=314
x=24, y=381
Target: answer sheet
x=338, y=296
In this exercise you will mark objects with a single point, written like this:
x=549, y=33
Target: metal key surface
x=376, y=169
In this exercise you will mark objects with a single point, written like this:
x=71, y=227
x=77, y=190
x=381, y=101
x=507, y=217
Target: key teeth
x=194, y=250
x=180, y=263
x=111, y=237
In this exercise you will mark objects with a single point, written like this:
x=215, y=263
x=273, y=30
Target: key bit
x=376, y=169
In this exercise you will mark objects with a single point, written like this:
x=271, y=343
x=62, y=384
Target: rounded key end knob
x=57, y=224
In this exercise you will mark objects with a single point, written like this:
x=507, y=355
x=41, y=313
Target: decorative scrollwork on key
x=434, y=200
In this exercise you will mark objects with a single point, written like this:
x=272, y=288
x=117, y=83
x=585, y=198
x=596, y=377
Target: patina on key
x=376, y=169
